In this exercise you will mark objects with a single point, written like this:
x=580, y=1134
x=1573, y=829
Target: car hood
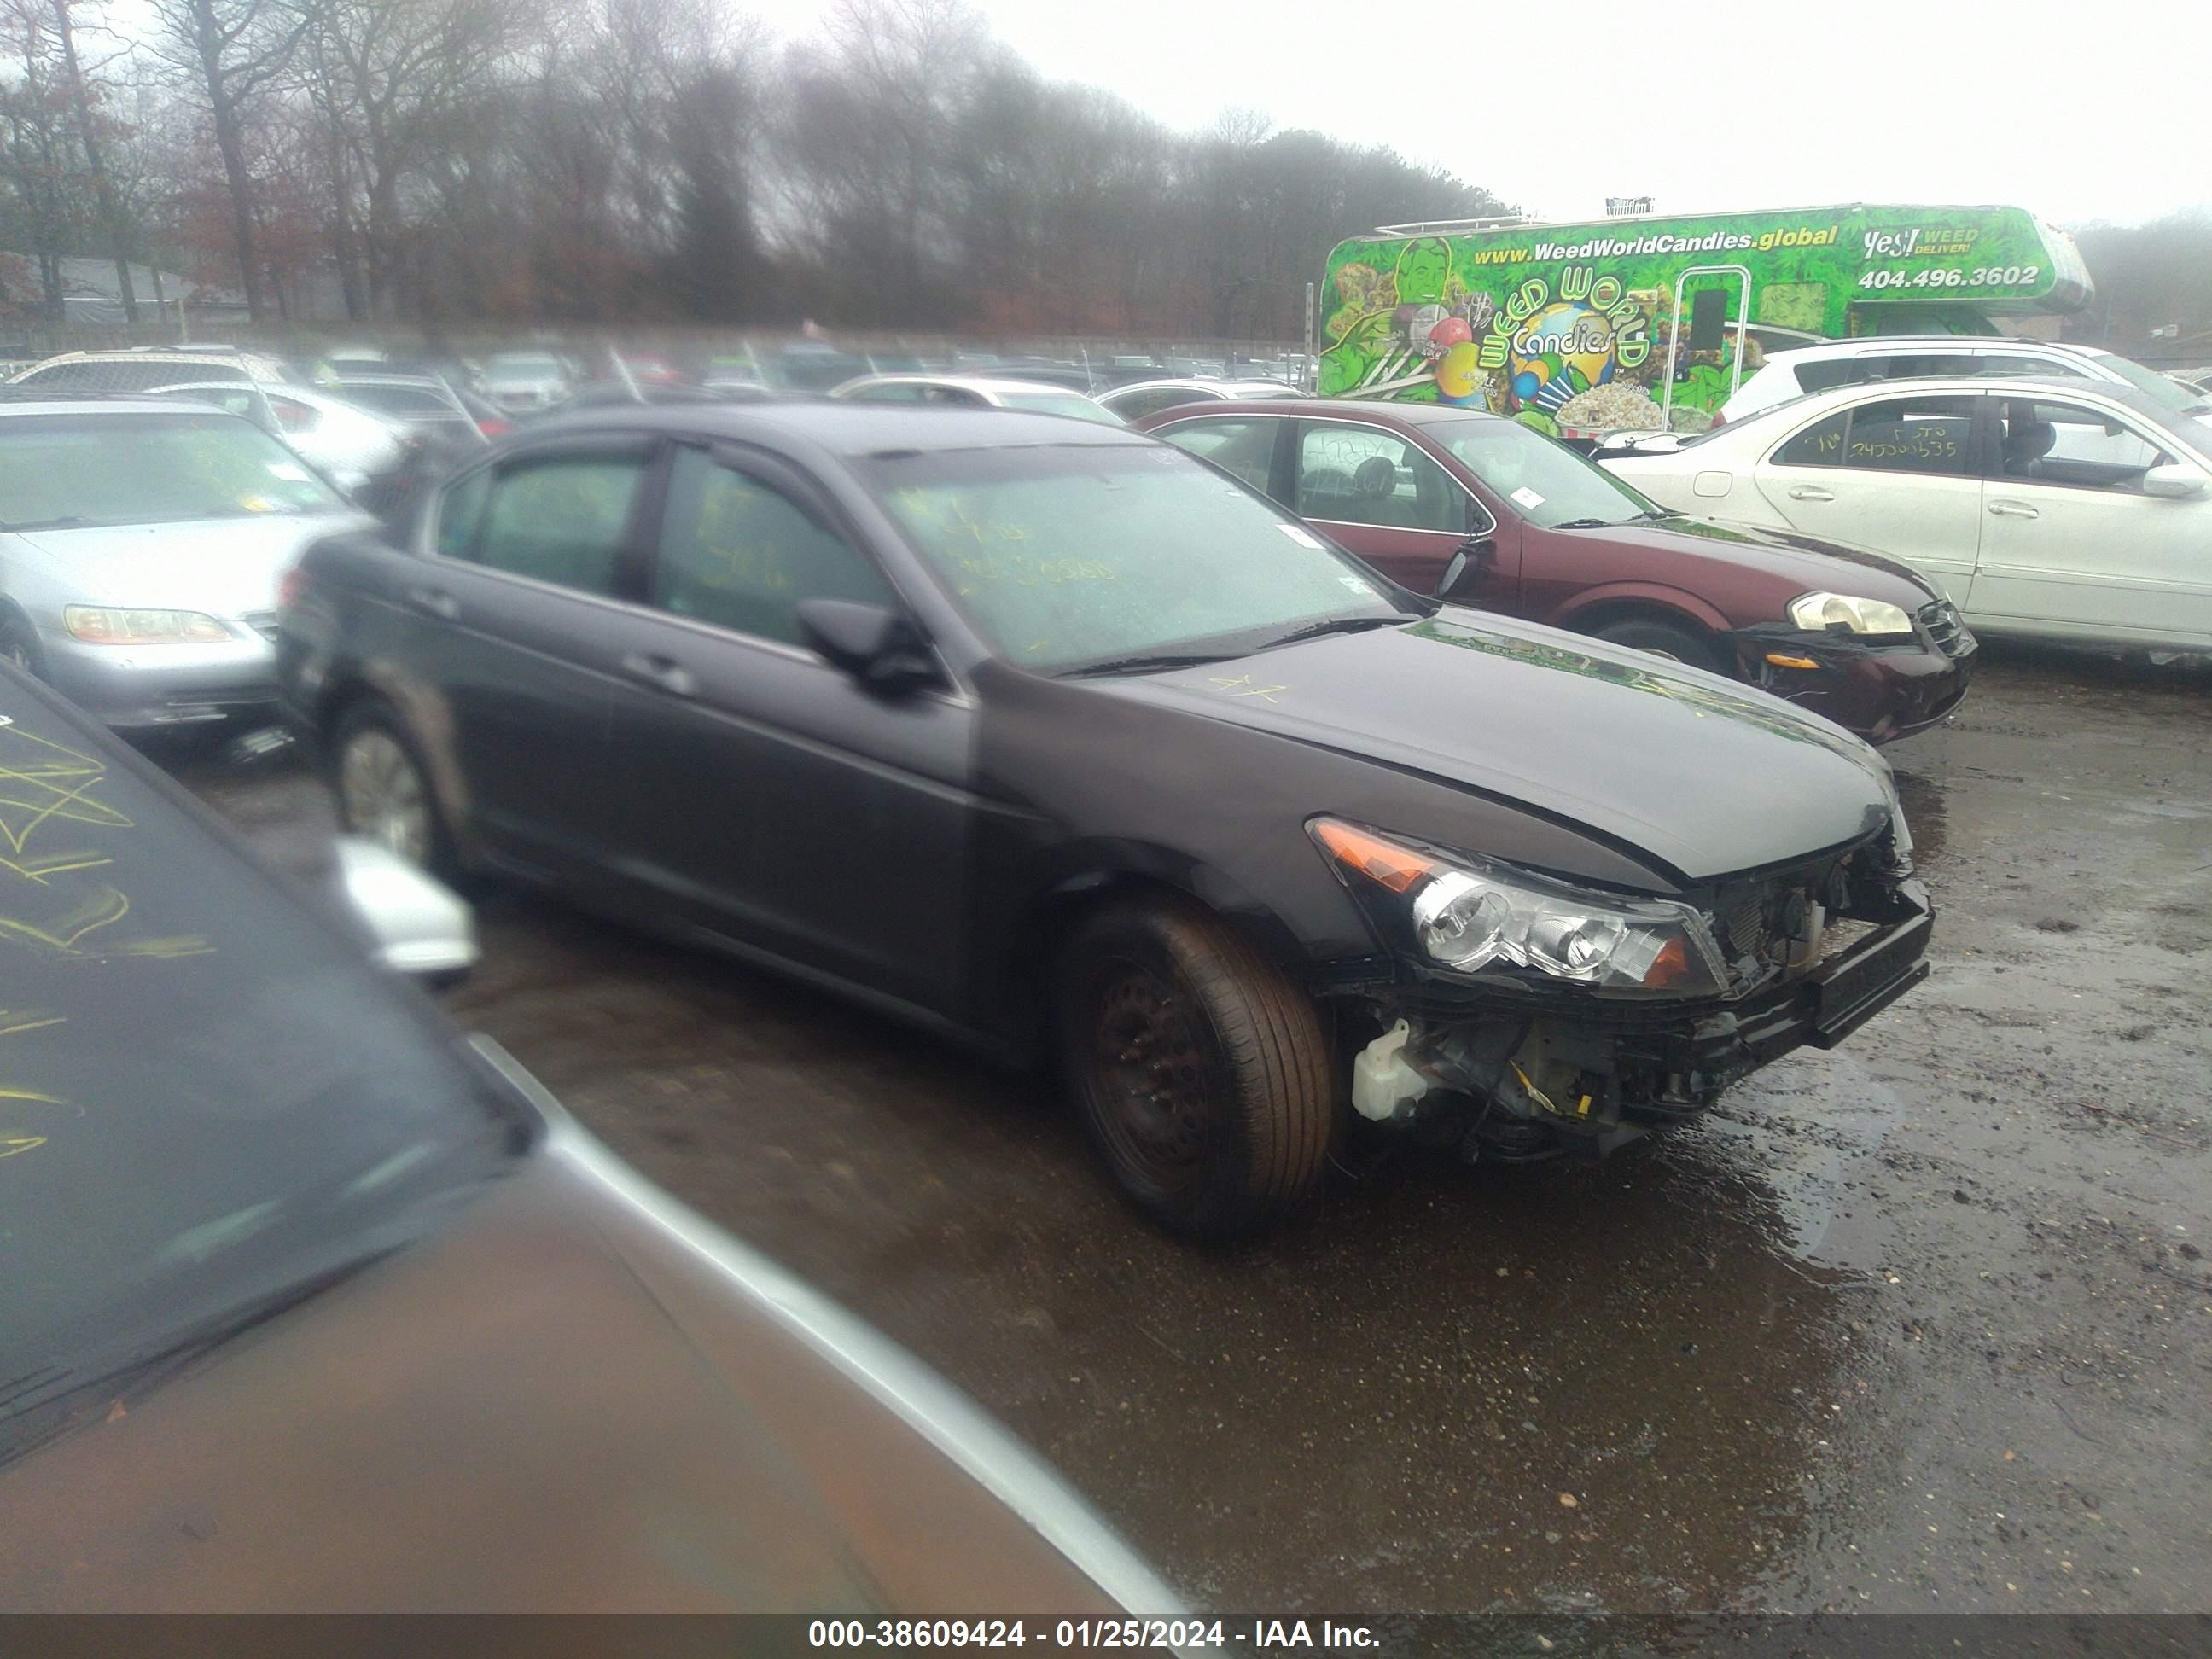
x=1808, y=560
x=556, y=1403
x=226, y=566
x=1700, y=776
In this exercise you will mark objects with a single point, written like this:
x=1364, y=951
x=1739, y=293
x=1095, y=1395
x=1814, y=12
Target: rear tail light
x=291, y=588
x=492, y=429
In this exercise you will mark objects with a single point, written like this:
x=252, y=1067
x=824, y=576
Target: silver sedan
x=142, y=543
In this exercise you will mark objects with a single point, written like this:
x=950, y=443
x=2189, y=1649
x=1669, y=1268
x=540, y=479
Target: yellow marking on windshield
x=1243, y=686
x=103, y=909
x=40, y=871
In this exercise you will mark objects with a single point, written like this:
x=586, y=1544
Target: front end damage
x=1505, y=1063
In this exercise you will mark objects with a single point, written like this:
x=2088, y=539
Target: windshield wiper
x=1335, y=625
x=69, y=522
x=1146, y=665
x=1587, y=524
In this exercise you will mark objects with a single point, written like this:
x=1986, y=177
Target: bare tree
x=231, y=53
x=88, y=123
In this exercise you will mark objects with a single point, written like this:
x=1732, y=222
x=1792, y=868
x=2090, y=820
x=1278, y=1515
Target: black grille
x=1940, y=619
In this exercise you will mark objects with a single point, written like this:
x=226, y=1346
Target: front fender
x=1648, y=595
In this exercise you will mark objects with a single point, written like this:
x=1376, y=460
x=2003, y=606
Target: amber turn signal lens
x=1670, y=966
x=1381, y=861
x=1782, y=661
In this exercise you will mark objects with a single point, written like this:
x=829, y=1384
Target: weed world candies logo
x=1553, y=345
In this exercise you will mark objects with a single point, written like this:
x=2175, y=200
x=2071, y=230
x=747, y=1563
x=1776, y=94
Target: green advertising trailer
x=1649, y=322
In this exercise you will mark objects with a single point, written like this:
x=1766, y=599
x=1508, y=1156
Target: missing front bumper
x=1536, y=1080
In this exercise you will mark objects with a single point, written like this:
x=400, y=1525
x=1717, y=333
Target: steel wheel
x=382, y=793
x=1156, y=1088
x=1200, y=1072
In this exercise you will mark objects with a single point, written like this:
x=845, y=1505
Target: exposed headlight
x=1820, y=610
x=1466, y=915
x=97, y=625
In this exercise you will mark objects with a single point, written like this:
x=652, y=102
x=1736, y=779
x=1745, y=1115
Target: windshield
x=116, y=469
x=1548, y=484
x=2159, y=388
x=1045, y=403
x=1075, y=554
x=206, y=1095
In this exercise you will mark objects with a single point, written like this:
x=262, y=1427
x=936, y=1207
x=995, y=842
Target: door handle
x=1810, y=493
x=2013, y=510
x=435, y=600
x=663, y=673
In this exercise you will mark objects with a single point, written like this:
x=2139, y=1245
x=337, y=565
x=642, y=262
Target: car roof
x=110, y=403
x=1863, y=342
x=1189, y=383
x=993, y=383
x=431, y=381
x=1321, y=409
x=846, y=428
x=1953, y=386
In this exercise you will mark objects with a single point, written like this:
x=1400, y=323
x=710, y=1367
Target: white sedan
x=2048, y=509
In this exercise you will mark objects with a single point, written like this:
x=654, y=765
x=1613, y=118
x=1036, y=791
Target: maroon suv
x=1552, y=538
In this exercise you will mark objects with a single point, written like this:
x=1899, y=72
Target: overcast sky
x=2078, y=113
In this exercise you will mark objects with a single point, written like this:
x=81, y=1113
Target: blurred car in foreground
x=2068, y=510
x=975, y=391
x=314, y=1305
x=1046, y=735
x=141, y=544
x=1550, y=537
x=1133, y=402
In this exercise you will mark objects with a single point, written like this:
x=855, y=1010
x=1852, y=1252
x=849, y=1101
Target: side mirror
x=1473, y=553
x=876, y=646
x=418, y=924
x=2173, y=482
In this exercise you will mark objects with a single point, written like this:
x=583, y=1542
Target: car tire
x=382, y=789
x=19, y=645
x=1666, y=640
x=1200, y=1072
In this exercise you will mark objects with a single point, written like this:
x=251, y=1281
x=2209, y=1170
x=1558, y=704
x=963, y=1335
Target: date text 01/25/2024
x=1172, y=1635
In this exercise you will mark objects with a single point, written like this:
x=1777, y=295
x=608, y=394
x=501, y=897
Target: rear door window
x=562, y=518
x=1931, y=436
x=1363, y=475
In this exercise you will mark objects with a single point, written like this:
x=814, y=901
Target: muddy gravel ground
x=1924, y=1324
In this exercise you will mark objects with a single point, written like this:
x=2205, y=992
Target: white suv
x=1803, y=369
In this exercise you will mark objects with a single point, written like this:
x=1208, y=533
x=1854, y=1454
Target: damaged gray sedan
x=1055, y=740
